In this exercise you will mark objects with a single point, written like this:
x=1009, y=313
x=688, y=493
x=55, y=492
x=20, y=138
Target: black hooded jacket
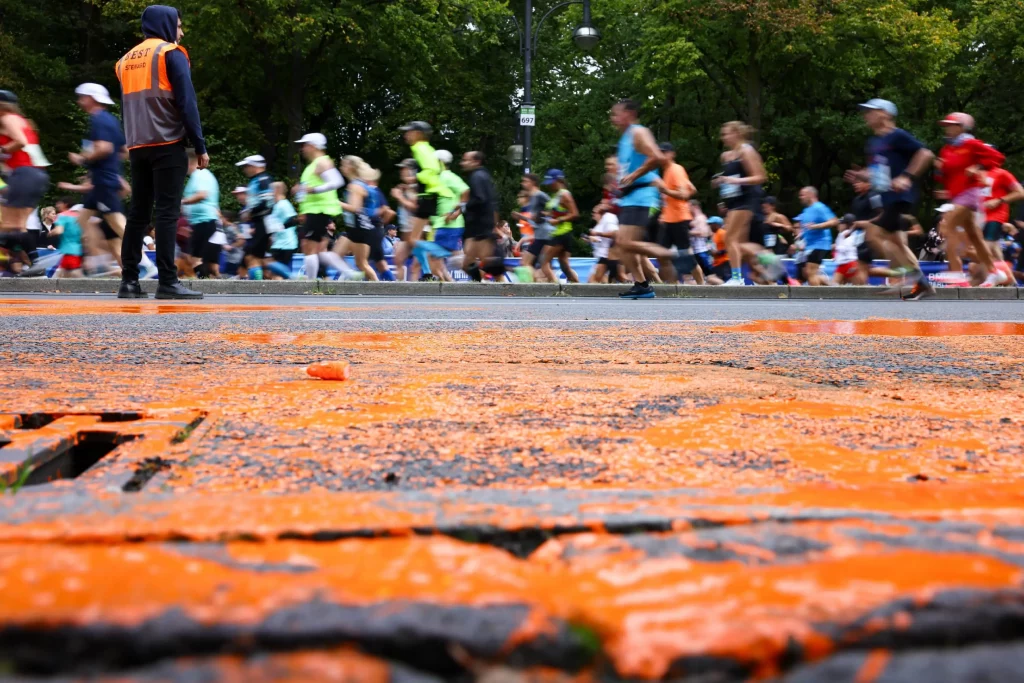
x=161, y=21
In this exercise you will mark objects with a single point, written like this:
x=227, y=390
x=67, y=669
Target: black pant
x=158, y=179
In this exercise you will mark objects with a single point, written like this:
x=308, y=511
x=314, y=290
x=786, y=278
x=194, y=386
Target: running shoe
x=921, y=289
x=638, y=291
x=524, y=274
x=354, y=276
x=734, y=282
x=995, y=278
x=772, y=264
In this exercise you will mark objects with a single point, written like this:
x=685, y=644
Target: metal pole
x=527, y=94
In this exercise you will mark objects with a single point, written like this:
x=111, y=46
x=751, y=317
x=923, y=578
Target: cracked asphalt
x=511, y=489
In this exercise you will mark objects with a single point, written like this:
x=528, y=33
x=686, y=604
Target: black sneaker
x=131, y=290
x=176, y=291
x=632, y=291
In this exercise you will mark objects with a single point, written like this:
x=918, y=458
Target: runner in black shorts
x=259, y=201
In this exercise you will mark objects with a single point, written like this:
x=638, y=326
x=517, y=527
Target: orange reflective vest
x=147, y=101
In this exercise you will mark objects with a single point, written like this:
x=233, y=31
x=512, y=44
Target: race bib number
x=730, y=190
x=881, y=177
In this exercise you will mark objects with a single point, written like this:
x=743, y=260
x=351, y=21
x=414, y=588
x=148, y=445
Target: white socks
x=311, y=265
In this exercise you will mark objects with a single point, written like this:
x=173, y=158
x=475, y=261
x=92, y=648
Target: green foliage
x=267, y=71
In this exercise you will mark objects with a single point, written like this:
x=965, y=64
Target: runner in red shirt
x=1002, y=190
x=961, y=166
x=22, y=163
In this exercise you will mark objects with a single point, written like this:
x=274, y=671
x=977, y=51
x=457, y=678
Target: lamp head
x=586, y=37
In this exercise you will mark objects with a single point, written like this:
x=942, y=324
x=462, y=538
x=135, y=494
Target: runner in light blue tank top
x=629, y=161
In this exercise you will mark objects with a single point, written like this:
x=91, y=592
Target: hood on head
x=160, y=21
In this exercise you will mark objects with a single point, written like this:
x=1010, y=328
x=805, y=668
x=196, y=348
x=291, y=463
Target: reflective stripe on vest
x=147, y=100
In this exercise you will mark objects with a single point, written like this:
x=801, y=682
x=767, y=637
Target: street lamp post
x=585, y=36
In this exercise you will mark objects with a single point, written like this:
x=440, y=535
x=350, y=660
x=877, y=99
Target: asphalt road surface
x=512, y=489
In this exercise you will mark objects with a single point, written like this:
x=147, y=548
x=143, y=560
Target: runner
x=721, y=270
x=739, y=184
x=816, y=223
x=382, y=214
x=69, y=230
x=449, y=222
x=201, y=206
x=359, y=232
x=102, y=155
x=259, y=202
x=700, y=236
x=560, y=211
x=850, y=237
x=22, y=166
x=405, y=194
x=639, y=159
x=959, y=171
x=429, y=189
x=896, y=161
x=602, y=235
x=284, y=241
x=1001, y=190
x=317, y=195
x=778, y=230
x=481, y=211
x=676, y=217
x=536, y=201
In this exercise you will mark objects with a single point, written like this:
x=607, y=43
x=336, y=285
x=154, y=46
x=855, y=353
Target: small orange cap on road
x=337, y=370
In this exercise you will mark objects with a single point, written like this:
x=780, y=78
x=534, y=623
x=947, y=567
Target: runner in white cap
x=317, y=196
x=103, y=150
x=259, y=202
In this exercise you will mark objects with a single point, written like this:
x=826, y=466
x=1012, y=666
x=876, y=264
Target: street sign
x=528, y=115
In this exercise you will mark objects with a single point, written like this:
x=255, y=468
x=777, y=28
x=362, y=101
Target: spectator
x=390, y=240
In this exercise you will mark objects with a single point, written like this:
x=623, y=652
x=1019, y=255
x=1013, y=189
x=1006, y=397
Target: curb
x=473, y=289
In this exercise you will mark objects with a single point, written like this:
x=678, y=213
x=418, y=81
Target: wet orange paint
x=885, y=328
x=713, y=434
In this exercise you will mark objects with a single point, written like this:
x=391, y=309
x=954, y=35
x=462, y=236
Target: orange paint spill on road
x=885, y=328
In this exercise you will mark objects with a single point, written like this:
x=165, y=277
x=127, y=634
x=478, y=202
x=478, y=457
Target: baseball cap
x=946, y=208
x=715, y=220
x=879, y=105
x=318, y=140
x=553, y=175
x=8, y=97
x=407, y=163
x=240, y=190
x=958, y=118
x=254, y=160
x=667, y=147
x=421, y=126
x=848, y=219
x=444, y=156
x=95, y=91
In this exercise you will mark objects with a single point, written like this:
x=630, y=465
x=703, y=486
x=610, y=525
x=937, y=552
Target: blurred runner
x=602, y=235
x=816, y=223
x=639, y=161
x=259, y=202
x=560, y=211
x=676, y=217
x=284, y=241
x=449, y=222
x=381, y=215
x=480, y=211
x=896, y=161
x=778, y=230
x=201, y=206
x=69, y=230
x=1001, y=190
x=405, y=194
x=533, y=212
x=317, y=195
x=700, y=240
x=102, y=153
x=739, y=185
x=359, y=232
x=22, y=166
x=850, y=237
x=960, y=170
x=430, y=188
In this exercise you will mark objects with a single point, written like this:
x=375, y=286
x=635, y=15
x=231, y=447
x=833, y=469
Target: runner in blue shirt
x=816, y=223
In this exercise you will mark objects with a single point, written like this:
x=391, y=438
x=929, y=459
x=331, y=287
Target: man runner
x=1002, y=189
x=317, y=195
x=639, y=159
x=896, y=161
x=428, y=176
x=480, y=211
x=102, y=156
x=676, y=189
